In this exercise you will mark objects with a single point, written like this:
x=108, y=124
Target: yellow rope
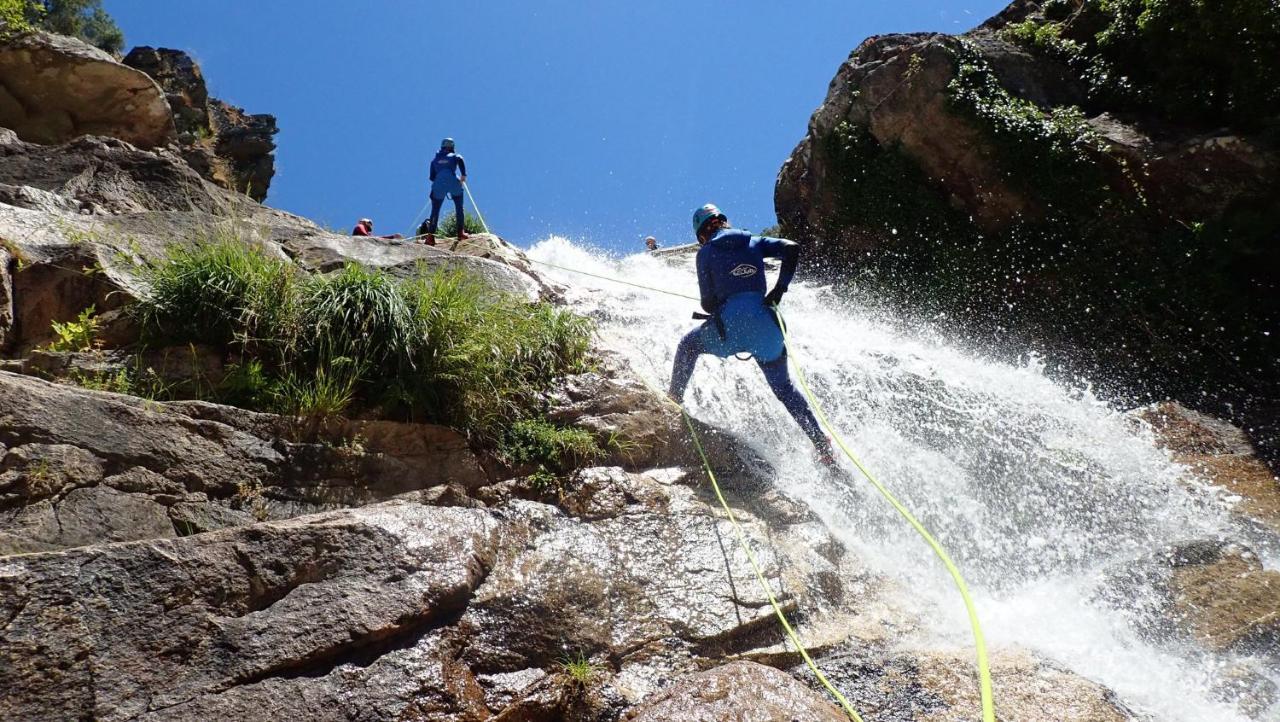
x=984, y=670
x=777, y=609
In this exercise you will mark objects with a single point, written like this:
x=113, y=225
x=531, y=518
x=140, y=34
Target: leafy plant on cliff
x=1196, y=61
x=439, y=347
x=580, y=671
x=449, y=226
x=1052, y=154
x=878, y=187
x=84, y=19
x=15, y=15
x=78, y=335
x=553, y=448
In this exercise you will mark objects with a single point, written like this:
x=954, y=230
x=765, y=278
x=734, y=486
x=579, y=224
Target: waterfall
x=1037, y=489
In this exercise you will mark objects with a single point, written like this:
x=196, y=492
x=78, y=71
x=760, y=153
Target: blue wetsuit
x=444, y=181
x=732, y=285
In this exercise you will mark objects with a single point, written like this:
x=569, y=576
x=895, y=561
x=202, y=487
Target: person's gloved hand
x=774, y=297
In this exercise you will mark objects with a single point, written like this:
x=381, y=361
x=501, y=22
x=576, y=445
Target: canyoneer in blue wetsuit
x=445, y=182
x=732, y=285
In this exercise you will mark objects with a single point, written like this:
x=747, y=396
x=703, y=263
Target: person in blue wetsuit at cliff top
x=732, y=285
x=444, y=181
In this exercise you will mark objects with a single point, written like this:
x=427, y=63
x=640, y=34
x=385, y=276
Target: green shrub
x=1197, y=61
x=449, y=226
x=84, y=19
x=535, y=441
x=223, y=291
x=78, y=335
x=484, y=359
x=1050, y=154
x=246, y=384
x=319, y=393
x=17, y=15
x=439, y=347
x=358, y=314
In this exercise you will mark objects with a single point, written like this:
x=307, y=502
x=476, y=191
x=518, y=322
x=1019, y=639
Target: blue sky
x=600, y=121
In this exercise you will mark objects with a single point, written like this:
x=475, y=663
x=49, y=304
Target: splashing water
x=1035, y=489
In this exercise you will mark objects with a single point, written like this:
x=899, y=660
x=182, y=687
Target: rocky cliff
x=220, y=141
x=165, y=557
x=1096, y=180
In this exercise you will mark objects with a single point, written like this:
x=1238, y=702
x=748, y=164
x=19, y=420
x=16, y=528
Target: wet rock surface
x=1213, y=593
x=1221, y=454
x=740, y=691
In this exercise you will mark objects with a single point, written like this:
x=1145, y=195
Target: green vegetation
x=78, y=335
x=554, y=450
x=84, y=19
x=1196, y=61
x=449, y=226
x=1094, y=268
x=579, y=670
x=14, y=16
x=439, y=347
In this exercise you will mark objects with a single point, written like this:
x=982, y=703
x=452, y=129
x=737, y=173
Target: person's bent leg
x=687, y=353
x=776, y=373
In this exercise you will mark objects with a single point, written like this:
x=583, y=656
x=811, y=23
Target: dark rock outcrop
x=55, y=88
x=980, y=178
x=222, y=142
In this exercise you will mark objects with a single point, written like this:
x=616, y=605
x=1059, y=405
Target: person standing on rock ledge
x=732, y=285
x=445, y=181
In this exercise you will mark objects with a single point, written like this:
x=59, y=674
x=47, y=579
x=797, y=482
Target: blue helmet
x=704, y=214
x=447, y=144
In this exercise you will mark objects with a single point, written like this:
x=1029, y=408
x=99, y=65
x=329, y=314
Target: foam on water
x=1035, y=488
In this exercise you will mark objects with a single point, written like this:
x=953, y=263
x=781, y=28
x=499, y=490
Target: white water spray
x=1035, y=489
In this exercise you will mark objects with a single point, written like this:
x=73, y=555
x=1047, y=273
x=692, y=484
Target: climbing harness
x=984, y=671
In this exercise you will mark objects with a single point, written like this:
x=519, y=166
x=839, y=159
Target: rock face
x=982, y=177
x=900, y=92
x=1221, y=454
x=82, y=467
x=1215, y=594
x=223, y=143
x=742, y=690
x=184, y=629
x=57, y=88
x=93, y=175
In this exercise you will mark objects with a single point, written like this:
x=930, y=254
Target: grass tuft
x=440, y=347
